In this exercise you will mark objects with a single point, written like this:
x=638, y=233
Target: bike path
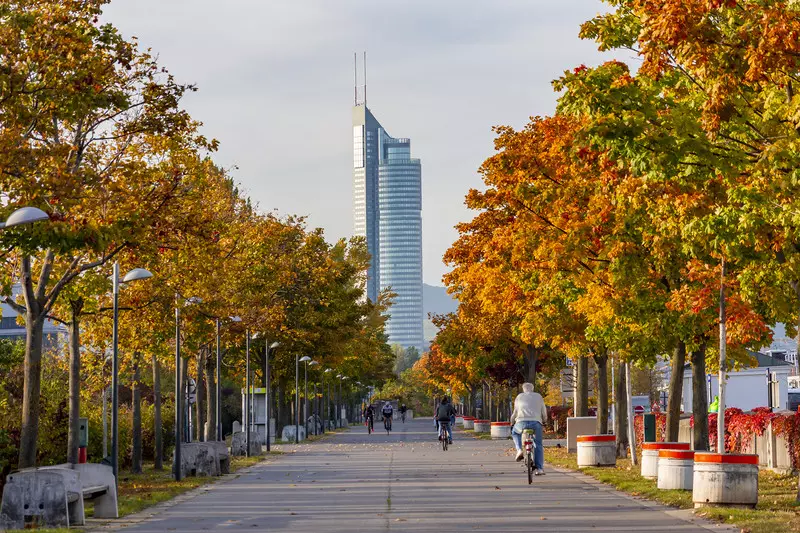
x=404, y=482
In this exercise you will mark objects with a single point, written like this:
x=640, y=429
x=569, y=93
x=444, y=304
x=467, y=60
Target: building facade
x=387, y=210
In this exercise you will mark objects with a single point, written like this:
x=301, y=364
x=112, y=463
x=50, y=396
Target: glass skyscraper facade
x=387, y=205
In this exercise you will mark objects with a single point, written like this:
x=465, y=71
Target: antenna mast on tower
x=360, y=96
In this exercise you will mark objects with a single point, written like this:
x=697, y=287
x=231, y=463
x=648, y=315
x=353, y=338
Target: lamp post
x=133, y=275
x=179, y=386
x=309, y=362
x=247, y=395
x=268, y=395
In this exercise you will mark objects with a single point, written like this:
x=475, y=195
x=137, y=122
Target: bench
x=53, y=496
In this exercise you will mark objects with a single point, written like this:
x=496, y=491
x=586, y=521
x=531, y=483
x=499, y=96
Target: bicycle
x=387, y=423
x=529, y=445
x=403, y=417
x=370, y=425
x=443, y=435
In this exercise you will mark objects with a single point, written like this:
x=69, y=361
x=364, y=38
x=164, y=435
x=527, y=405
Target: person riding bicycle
x=444, y=412
x=369, y=414
x=529, y=413
x=387, y=413
x=403, y=410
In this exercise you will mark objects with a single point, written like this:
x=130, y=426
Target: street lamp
x=134, y=275
x=23, y=216
x=218, y=393
x=179, y=385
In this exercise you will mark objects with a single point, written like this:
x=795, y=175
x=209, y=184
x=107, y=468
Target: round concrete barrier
x=482, y=426
x=597, y=450
x=469, y=422
x=501, y=430
x=459, y=420
x=675, y=469
x=725, y=479
x=650, y=456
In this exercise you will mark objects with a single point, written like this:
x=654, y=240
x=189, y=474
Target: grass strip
x=776, y=512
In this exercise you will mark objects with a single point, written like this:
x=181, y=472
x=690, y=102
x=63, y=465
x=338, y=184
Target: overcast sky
x=276, y=88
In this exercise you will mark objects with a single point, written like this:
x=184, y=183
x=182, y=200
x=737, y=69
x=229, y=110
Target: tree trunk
x=211, y=398
x=136, y=451
x=530, y=362
x=582, y=396
x=73, y=438
x=158, y=451
x=200, y=415
x=601, y=360
x=185, y=408
x=699, y=399
x=675, y=392
x=621, y=417
x=34, y=326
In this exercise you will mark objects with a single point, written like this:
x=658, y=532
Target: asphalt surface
x=405, y=482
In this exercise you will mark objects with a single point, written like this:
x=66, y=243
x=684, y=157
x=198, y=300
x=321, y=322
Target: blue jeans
x=516, y=435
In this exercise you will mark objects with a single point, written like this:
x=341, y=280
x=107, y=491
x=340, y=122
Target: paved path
x=405, y=482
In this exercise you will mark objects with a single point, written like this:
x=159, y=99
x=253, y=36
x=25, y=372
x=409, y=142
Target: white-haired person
x=529, y=413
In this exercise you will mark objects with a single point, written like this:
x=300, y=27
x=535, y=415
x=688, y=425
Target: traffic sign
x=638, y=410
x=191, y=391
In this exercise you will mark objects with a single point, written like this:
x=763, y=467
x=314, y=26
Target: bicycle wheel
x=529, y=464
x=444, y=440
x=369, y=427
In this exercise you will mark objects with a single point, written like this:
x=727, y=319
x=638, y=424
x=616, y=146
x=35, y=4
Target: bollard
x=725, y=479
x=501, y=430
x=482, y=426
x=675, y=469
x=469, y=422
x=597, y=450
x=650, y=456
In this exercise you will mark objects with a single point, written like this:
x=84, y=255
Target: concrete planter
x=482, y=426
x=650, y=456
x=501, y=430
x=727, y=480
x=579, y=425
x=459, y=420
x=675, y=469
x=469, y=422
x=597, y=450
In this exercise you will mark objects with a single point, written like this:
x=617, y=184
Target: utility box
x=83, y=433
x=649, y=427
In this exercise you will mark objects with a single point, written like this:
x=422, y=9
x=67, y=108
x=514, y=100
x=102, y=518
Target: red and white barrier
x=501, y=430
x=675, y=469
x=597, y=450
x=469, y=422
x=482, y=426
x=650, y=456
x=725, y=479
x=459, y=420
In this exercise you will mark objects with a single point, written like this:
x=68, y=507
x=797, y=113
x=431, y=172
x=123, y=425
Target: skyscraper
x=387, y=210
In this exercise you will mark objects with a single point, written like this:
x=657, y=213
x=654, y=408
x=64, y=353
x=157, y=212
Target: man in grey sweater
x=529, y=413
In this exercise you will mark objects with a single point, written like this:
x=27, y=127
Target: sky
x=275, y=81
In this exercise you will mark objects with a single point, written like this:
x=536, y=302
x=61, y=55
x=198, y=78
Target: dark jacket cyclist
x=444, y=412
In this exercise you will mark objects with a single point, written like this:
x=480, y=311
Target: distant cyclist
x=403, y=410
x=529, y=413
x=387, y=413
x=369, y=416
x=444, y=413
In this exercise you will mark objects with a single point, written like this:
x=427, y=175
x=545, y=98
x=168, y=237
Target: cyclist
x=387, y=413
x=369, y=416
x=403, y=410
x=444, y=412
x=529, y=413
